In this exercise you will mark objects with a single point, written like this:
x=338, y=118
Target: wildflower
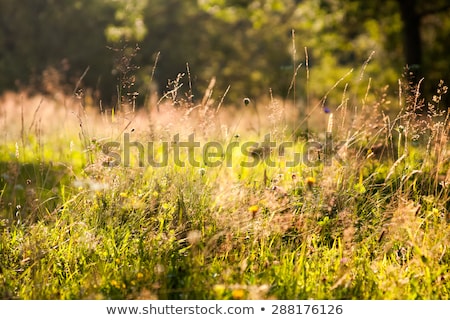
x=155, y=194
x=310, y=181
x=115, y=284
x=219, y=289
x=123, y=195
x=238, y=294
x=326, y=110
x=165, y=206
x=139, y=275
x=253, y=210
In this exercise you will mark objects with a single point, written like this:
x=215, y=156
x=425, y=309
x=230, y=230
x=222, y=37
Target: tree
x=413, y=13
x=247, y=44
x=67, y=36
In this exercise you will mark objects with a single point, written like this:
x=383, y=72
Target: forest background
x=251, y=46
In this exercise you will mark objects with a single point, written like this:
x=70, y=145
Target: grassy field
x=362, y=215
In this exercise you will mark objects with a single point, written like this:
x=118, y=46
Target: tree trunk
x=412, y=42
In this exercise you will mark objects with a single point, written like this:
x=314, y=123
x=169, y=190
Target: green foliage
x=128, y=23
x=248, y=44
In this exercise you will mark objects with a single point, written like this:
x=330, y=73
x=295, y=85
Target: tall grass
x=370, y=223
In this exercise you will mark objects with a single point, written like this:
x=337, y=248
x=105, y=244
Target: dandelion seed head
x=194, y=237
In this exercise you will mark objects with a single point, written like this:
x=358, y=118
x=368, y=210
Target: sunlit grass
x=373, y=225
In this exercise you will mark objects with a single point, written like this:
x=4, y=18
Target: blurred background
x=111, y=47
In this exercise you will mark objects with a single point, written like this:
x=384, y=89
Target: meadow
x=362, y=214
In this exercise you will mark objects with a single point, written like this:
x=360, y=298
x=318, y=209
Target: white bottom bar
x=193, y=309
